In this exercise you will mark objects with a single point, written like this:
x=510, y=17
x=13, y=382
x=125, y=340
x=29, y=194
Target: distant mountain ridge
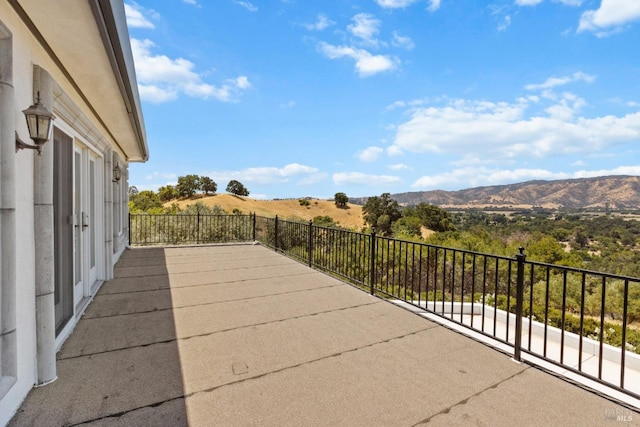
x=616, y=192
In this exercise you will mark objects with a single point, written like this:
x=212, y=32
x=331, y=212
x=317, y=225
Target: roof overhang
x=89, y=43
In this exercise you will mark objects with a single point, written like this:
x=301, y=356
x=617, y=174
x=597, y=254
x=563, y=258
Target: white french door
x=86, y=221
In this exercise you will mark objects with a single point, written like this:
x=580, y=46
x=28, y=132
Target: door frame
x=88, y=218
x=93, y=257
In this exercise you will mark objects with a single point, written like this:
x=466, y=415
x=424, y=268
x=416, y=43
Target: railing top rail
x=190, y=214
x=584, y=271
x=494, y=256
x=342, y=230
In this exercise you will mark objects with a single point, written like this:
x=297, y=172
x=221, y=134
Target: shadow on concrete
x=122, y=361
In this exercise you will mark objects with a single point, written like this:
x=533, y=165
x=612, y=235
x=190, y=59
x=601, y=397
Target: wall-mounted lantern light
x=39, y=121
x=117, y=173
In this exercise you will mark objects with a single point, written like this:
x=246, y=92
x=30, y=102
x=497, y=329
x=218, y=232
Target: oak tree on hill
x=341, y=200
x=432, y=217
x=207, y=185
x=188, y=185
x=168, y=193
x=236, y=187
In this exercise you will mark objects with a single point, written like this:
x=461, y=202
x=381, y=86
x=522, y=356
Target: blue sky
x=301, y=98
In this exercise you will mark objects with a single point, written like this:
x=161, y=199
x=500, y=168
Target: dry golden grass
x=285, y=209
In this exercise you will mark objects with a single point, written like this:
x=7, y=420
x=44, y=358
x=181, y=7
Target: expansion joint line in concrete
x=198, y=285
x=266, y=374
x=209, y=303
x=120, y=269
x=464, y=401
x=221, y=331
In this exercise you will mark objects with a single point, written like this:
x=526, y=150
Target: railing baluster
x=623, y=343
x=372, y=270
x=519, y=297
x=602, y=311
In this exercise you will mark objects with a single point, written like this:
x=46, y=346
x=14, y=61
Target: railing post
x=520, y=258
x=198, y=229
x=275, y=233
x=372, y=260
x=130, y=229
x=254, y=226
x=310, y=245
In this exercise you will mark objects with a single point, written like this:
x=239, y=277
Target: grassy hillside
x=285, y=209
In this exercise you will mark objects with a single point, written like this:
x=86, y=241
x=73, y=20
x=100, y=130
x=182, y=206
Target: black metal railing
x=149, y=229
x=584, y=321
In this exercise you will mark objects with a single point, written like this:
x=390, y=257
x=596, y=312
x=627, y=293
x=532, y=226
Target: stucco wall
x=24, y=233
x=80, y=120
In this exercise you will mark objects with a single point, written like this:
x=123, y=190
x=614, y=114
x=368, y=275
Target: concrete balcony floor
x=239, y=335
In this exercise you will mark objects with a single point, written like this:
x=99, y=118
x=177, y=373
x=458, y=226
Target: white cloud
x=474, y=177
x=552, y=82
x=506, y=23
x=401, y=41
x=162, y=79
x=155, y=94
x=570, y=2
x=481, y=176
x=610, y=16
x=313, y=178
x=247, y=5
x=396, y=4
x=528, y=2
x=135, y=16
x=193, y=2
x=370, y=154
x=242, y=82
x=433, y=5
x=322, y=23
x=620, y=170
x=399, y=167
x=500, y=13
x=499, y=130
x=346, y=178
x=367, y=64
x=270, y=175
x=536, y=2
x=170, y=178
x=365, y=27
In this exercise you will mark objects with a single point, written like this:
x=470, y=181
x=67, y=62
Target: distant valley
x=614, y=192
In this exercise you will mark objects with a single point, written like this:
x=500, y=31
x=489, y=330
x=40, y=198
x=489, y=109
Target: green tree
x=168, y=193
x=407, y=226
x=202, y=209
x=145, y=201
x=207, y=185
x=341, y=200
x=432, y=217
x=324, y=221
x=381, y=212
x=580, y=238
x=236, y=187
x=188, y=185
x=544, y=249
